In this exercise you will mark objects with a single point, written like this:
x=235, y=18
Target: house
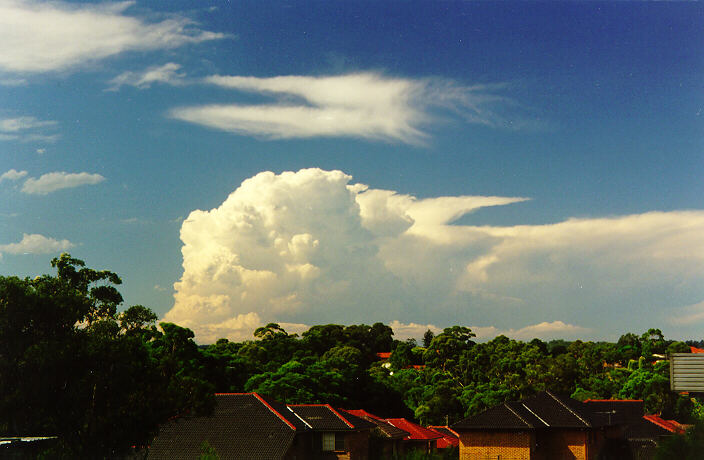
x=641, y=432
x=419, y=438
x=386, y=440
x=250, y=426
x=23, y=447
x=545, y=426
x=335, y=434
x=449, y=437
x=242, y=426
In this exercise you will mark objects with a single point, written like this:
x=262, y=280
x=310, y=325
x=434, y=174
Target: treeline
x=72, y=366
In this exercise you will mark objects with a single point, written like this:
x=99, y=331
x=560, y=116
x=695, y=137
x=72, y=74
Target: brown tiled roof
x=242, y=426
x=542, y=410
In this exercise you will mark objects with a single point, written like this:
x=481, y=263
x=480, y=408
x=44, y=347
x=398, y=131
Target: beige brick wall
x=510, y=445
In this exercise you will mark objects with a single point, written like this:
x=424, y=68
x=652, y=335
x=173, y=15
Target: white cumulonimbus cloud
x=51, y=182
x=35, y=244
x=12, y=174
x=553, y=330
x=309, y=247
x=362, y=105
x=167, y=73
x=41, y=36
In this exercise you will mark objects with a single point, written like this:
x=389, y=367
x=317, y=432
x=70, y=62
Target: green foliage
x=71, y=367
x=683, y=447
x=402, y=356
x=208, y=452
x=428, y=338
x=297, y=382
x=446, y=348
x=119, y=376
x=677, y=347
x=652, y=385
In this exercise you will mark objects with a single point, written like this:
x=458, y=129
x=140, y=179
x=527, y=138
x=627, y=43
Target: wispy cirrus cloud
x=167, y=73
x=362, y=105
x=27, y=129
x=35, y=244
x=41, y=36
x=51, y=182
x=13, y=125
x=688, y=315
x=12, y=174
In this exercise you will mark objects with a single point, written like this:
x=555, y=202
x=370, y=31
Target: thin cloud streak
x=13, y=125
x=167, y=73
x=27, y=129
x=51, y=182
x=38, y=37
x=691, y=314
x=363, y=105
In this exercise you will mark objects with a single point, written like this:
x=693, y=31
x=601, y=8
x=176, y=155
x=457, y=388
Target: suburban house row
x=545, y=426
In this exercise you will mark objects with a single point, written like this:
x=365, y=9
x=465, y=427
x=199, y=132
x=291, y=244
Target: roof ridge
x=529, y=410
x=340, y=416
x=263, y=401
x=299, y=417
x=659, y=421
x=568, y=408
x=521, y=418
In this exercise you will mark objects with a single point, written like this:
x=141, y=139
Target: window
x=333, y=441
x=328, y=441
x=339, y=441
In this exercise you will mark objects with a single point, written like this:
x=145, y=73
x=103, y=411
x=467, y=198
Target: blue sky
x=527, y=168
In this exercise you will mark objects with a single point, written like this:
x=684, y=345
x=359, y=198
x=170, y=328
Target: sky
x=533, y=169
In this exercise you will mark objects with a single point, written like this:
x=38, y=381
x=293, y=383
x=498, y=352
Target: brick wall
x=484, y=445
x=357, y=444
x=565, y=444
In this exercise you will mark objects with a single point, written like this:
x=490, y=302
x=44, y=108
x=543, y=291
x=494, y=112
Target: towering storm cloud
x=313, y=247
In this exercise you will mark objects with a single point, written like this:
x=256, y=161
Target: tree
x=428, y=338
x=445, y=349
x=71, y=367
x=683, y=447
x=402, y=356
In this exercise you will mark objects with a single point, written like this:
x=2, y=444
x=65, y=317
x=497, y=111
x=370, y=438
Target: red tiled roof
x=363, y=413
x=449, y=437
x=696, y=350
x=672, y=426
x=383, y=355
x=417, y=432
x=386, y=428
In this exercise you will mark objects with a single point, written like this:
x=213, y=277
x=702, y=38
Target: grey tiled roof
x=322, y=417
x=542, y=410
x=242, y=426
